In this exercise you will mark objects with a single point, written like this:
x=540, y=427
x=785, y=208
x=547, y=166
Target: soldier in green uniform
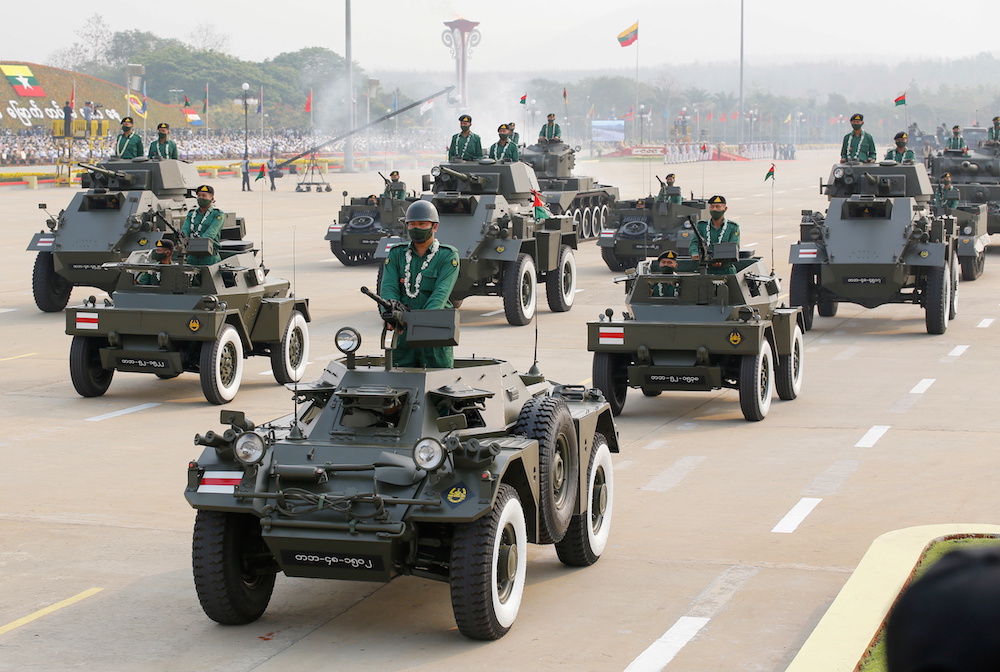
x=550, y=131
x=421, y=275
x=719, y=230
x=394, y=188
x=666, y=264
x=205, y=221
x=900, y=153
x=993, y=134
x=956, y=141
x=668, y=182
x=163, y=254
x=940, y=197
x=504, y=149
x=128, y=145
x=163, y=147
x=465, y=145
x=515, y=137
x=858, y=145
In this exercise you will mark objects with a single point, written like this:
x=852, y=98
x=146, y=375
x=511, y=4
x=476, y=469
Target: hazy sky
x=525, y=35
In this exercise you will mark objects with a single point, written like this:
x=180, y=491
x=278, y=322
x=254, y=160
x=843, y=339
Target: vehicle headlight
x=838, y=173
x=249, y=448
x=348, y=340
x=429, y=454
x=967, y=230
x=435, y=171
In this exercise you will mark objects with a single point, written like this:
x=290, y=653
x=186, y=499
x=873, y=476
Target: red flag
x=72, y=96
x=629, y=114
x=565, y=100
x=708, y=117
x=309, y=101
x=524, y=99
x=736, y=114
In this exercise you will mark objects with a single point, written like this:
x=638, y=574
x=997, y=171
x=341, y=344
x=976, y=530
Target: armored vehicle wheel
x=757, y=383
x=588, y=532
x=603, y=220
x=350, y=258
x=50, y=289
x=290, y=356
x=519, y=295
x=827, y=308
x=789, y=372
x=613, y=262
x=611, y=377
x=221, y=366
x=937, y=299
x=90, y=379
x=953, y=300
x=577, y=216
x=588, y=223
x=800, y=292
x=233, y=583
x=973, y=267
x=488, y=565
x=647, y=392
x=548, y=420
x=560, y=283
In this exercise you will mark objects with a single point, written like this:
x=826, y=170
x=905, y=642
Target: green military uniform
x=515, y=137
x=465, y=147
x=727, y=232
x=671, y=198
x=858, y=147
x=148, y=278
x=395, y=189
x=550, y=131
x=128, y=146
x=431, y=279
x=164, y=150
x=940, y=200
x=956, y=143
x=994, y=133
x=505, y=152
x=900, y=156
x=204, y=225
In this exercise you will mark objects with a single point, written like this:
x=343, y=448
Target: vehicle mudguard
x=273, y=316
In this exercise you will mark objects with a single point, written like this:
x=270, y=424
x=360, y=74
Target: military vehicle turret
x=879, y=242
x=126, y=205
x=976, y=176
x=693, y=330
x=383, y=472
x=362, y=223
x=487, y=212
x=579, y=197
x=168, y=319
x=647, y=227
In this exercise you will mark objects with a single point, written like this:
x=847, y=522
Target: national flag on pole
x=187, y=103
x=204, y=106
x=72, y=96
x=708, y=117
x=629, y=114
x=901, y=100
x=143, y=111
x=736, y=114
x=629, y=35
x=770, y=174
x=262, y=173
x=426, y=107
x=704, y=148
x=788, y=119
x=136, y=104
x=565, y=99
x=540, y=211
x=24, y=83
x=524, y=99
x=309, y=101
x=260, y=101
x=590, y=115
x=192, y=116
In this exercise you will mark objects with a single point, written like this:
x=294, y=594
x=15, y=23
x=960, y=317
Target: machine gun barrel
x=104, y=171
x=384, y=178
x=659, y=180
x=473, y=179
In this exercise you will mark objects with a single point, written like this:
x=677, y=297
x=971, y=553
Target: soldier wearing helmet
x=421, y=276
x=900, y=153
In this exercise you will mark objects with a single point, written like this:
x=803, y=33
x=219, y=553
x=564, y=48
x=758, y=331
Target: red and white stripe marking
x=335, y=227
x=808, y=254
x=46, y=242
x=608, y=234
x=86, y=321
x=611, y=335
x=220, y=482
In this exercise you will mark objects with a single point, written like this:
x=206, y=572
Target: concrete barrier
x=32, y=181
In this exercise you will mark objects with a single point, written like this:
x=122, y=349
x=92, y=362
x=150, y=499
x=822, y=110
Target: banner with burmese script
x=23, y=81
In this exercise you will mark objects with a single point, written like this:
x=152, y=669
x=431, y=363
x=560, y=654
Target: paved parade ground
x=733, y=536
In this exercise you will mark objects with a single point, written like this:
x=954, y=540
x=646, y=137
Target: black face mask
x=420, y=235
x=669, y=270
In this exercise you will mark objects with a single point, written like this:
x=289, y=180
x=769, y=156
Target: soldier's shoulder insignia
x=454, y=262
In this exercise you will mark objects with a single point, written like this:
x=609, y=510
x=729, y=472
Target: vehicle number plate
x=671, y=379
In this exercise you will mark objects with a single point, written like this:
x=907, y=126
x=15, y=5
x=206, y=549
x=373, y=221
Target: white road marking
x=872, y=436
x=922, y=386
x=984, y=324
x=579, y=290
x=795, y=517
x=124, y=411
x=686, y=426
x=672, y=477
x=832, y=478
x=7, y=310
x=663, y=650
x=847, y=354
x=958, y=350
x=749, y=245
x=624, y=464
x=656, y=445
x=495, y=312
x=711, y=600
x=781, y=236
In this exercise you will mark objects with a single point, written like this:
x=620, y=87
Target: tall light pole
x=246, y=122
x=642, y=119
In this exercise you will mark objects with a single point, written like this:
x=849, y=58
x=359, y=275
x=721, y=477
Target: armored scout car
x=879, y=242
x=361, y=224
x=645, y=227
x=445, y=474
x=976, y=177
x=203, y=319
x=487, y=212
x=126, y=205
x=579, y=197
x=697, y=331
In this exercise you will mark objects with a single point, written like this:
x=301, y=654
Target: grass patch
x=874, y=658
